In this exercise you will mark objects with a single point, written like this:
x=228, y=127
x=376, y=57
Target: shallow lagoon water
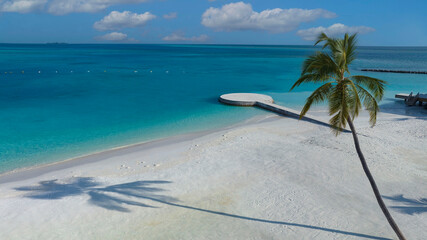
x=63, y=101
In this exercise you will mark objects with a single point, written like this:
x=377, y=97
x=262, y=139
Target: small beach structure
x=266, y=102
x=411, y=99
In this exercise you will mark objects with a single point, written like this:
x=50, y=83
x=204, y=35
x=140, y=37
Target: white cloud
x=171, y=15
x=61, y=7
x=333, y=30
x=22, y=6
x=118, y=20
x=241, y=16
x=115, y=37
x=179, y=37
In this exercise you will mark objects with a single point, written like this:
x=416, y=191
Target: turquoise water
x=63, y=101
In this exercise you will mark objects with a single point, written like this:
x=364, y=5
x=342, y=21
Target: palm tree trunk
x=373, y=184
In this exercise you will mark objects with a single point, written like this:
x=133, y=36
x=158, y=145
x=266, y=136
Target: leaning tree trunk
x=373, y=184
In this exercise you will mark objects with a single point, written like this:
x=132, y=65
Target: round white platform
x=244, y=99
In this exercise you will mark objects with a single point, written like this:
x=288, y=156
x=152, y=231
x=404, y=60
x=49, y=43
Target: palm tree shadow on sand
x=113, y=197
x=116, y=197
x=410, y=206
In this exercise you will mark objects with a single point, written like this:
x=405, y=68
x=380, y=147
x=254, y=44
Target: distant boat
x=56, y=43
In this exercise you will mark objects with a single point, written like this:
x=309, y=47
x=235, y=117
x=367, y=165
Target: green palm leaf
x=374, y=85
x=319, y=95
x=370, y=104
x=320, y=63
x=314, y=77
x=351, y=49
x=354, y=102
x=339, y=107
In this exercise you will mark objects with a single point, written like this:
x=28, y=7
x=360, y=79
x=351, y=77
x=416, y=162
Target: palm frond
x=354, y=102
x=374, y=85
x=322, y=37
x=314, y=77
x=338, y=106
x=319, y=63
x=339, y=53
x=331, y=43
x=351, y=49
x=319, y=95
x=370, y=104
x=335, y=122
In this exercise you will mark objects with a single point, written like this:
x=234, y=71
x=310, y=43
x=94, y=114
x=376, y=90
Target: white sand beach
x=271, y=178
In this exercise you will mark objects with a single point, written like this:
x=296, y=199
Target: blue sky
x=379, y=22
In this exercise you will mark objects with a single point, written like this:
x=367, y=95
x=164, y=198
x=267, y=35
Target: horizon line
x=201, y=44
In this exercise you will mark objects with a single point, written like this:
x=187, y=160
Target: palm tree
x=345, y=95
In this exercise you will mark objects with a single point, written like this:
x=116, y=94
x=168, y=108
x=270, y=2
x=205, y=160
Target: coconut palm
x=345, y=95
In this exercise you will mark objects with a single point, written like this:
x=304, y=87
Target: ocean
x=59, y=101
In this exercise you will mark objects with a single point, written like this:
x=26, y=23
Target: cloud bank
x=114, y=36
x=240, y=17
x=333, y=30
x=61, y=7
x=118, y=20
x=22, y=6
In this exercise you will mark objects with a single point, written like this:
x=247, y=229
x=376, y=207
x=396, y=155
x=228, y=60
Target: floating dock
x=265, y=102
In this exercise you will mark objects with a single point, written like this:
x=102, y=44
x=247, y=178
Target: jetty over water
x=411, y=99
x=266, y=102
x=394, y=71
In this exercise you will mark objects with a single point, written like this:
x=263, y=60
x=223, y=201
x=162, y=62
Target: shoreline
x=25, y=173
x=271, y=177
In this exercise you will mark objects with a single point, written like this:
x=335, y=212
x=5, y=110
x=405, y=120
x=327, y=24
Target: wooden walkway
x=411, y=99
x=266, y=102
